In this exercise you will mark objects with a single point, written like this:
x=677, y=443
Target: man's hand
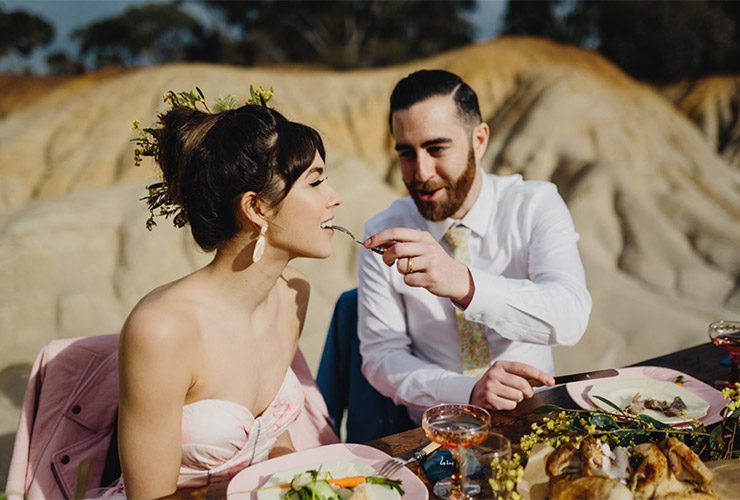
x=424, y=263
x=505, y=384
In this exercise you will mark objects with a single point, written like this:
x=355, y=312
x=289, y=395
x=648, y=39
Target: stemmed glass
x=726, y=334
x=456, y=427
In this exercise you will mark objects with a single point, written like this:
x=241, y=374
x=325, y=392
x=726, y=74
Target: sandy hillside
x=655, y=198
x=714, y=104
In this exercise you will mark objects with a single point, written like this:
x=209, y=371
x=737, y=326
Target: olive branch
x=621, y=428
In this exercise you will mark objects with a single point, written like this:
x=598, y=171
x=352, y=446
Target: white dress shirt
x=530, y=292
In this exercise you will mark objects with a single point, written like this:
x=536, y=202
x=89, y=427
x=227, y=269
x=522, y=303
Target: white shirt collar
x=477, y=217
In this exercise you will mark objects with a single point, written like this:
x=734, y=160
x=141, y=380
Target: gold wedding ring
x=409, y=267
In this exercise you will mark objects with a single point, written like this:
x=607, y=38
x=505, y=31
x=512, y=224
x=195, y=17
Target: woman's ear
x=251, y=210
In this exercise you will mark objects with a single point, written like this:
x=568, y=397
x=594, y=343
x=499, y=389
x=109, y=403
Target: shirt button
x=65, y=459
x=76, y=409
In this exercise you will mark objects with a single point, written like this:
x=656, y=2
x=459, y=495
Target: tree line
x=657, y=41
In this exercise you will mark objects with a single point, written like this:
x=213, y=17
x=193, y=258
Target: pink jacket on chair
x=69, y=414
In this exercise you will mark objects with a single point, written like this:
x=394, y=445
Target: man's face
x=439, y=157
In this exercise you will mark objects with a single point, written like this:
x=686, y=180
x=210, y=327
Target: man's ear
x=481, y=134
x=251, y=210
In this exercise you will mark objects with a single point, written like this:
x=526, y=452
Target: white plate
x=621, y=392
x=578, y=391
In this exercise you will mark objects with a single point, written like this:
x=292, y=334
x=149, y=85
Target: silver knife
x=577, y=377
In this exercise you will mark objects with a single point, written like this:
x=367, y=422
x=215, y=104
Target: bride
x=205, y=381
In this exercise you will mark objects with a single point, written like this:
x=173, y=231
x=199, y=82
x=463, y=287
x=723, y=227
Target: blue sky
x=66, y=15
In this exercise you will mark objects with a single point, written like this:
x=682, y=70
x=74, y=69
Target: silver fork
x=394, y=464
x=346, y=231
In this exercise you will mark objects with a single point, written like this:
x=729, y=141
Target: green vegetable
x=315, y=485
x=320, y=490
x=310, y=485
x=394, y=484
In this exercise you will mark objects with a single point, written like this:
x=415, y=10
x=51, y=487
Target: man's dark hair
x=423, y=84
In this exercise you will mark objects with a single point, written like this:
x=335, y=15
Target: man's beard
x=456, y=192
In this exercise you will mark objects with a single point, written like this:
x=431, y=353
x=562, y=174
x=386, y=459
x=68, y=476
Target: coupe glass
x=495, y=450
x=726, y=334
x=456, y=427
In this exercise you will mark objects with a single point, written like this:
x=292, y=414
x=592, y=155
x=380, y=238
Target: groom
x=482, y=274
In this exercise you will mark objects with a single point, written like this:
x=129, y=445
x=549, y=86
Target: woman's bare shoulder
x=158, y=355
x=163, y=320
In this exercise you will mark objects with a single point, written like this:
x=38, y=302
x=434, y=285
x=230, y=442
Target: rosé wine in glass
x=456, y=427
x=726, y=334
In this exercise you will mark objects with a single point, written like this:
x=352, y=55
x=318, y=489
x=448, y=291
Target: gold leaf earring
x=259, y=247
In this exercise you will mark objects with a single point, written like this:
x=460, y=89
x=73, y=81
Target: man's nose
x=425, y=168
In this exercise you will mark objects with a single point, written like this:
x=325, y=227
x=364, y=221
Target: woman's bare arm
x=155, y=369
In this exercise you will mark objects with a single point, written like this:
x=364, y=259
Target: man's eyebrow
x=436, y=142
x=431, y=142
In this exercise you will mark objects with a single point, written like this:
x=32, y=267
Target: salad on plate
x=332, y=481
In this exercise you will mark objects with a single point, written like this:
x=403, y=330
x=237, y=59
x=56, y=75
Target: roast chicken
x=645, y=471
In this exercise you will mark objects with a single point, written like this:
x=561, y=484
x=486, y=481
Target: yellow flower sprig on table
x=147, y=144
x=733, y=394
x=507, y=474
x=616, y=429
x=724, y=438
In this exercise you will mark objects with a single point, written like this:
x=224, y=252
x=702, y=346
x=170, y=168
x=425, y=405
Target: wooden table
x=701, y=362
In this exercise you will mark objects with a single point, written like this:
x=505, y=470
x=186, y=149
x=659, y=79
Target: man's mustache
x=427, y=186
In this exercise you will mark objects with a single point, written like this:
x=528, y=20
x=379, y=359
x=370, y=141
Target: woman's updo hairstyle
x=209, y=159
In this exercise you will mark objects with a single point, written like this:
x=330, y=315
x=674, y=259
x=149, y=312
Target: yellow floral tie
x=473, y=342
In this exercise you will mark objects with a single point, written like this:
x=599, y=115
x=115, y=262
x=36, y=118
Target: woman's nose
x=334, y=198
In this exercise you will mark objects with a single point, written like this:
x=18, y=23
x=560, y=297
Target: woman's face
x=296, y=227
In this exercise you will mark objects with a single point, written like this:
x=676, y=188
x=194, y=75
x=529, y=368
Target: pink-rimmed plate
x=357, y=457
x=578, y=391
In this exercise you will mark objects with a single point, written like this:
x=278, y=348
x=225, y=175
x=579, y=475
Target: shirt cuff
x=490, y=298
x=456, y=389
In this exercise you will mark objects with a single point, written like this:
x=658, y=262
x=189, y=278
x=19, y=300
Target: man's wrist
x=464, y=300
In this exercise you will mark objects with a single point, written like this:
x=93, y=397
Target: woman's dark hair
x=209, y=159
x=423, y=84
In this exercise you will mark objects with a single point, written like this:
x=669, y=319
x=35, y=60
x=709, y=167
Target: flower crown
x=158, y=200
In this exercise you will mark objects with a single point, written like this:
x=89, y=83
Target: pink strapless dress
x=220, y=437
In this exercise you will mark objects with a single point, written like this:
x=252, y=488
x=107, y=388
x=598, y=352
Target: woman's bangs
x=298, y=147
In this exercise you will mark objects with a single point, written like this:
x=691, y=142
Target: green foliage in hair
x=147, y=144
